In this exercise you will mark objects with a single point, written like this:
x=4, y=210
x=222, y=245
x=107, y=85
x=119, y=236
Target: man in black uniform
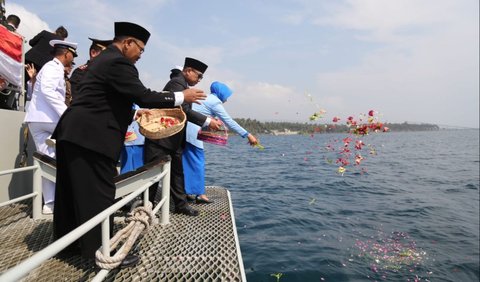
x=192, y=73
x=91, y=133
x=41, y=51
x=78, y=74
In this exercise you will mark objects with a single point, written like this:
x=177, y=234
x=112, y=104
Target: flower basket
x=161, y=123
x=213, y=137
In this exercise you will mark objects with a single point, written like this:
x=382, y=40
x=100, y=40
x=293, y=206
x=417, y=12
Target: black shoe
x=129, y=261
x=191, y=198
x=187, y=210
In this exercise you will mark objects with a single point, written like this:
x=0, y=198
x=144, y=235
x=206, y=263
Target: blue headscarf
x=221, y=91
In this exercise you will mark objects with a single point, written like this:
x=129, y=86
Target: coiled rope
x=139, y=222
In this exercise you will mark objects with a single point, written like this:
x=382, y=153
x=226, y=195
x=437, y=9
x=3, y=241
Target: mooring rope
x=139, y=222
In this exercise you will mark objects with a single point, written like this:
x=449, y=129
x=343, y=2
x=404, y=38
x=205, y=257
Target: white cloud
x=426, y=69
x=387, y=17
x=30, y=23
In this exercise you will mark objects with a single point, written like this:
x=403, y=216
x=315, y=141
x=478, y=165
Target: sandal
x=200, y=200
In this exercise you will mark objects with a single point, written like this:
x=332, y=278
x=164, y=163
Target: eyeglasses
x=199, y=74
x=139, y=47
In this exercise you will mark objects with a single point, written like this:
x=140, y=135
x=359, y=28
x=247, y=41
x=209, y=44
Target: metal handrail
x=19, y=271
x=37, y=192
x=22, y=269
x=20, y=169
x=19, y=199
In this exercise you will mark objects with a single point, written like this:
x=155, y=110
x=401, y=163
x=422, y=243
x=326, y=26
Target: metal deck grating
x=201, y=248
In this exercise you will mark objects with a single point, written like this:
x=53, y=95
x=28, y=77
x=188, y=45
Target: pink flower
x=358, y=159
x=347, y=140
x=359, y=144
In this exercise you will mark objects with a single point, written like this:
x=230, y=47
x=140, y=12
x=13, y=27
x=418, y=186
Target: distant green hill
x=257, y=127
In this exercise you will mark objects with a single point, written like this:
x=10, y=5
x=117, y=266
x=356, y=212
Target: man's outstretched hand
x=193, y=95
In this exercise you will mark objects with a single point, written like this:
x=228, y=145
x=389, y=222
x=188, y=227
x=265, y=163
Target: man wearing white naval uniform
x=47, y=105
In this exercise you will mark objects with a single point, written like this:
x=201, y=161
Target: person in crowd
x=68, y=84
x=132, y=151
x=47, y=105
x=194, y=155
x=90, y=135
x=41, y=51
x=176, y=71
x=32, y=77
x=172, y=146
x=96, y=47
x=13, y=22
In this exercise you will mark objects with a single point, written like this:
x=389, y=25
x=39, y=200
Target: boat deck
x=202, y=248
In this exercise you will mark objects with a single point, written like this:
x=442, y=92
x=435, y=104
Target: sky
x=409, y=60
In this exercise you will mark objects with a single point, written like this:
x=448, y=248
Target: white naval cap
x=70, y=46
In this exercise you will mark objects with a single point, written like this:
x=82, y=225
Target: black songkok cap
x=100, y=43
x=133, y=30
x=195, y=64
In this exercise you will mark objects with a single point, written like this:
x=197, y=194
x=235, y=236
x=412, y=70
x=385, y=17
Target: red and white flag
x=11, y=65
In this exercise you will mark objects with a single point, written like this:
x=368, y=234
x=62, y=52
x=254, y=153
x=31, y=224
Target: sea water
x=408, y=212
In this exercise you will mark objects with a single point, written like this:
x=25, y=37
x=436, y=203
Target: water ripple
x=295, y=215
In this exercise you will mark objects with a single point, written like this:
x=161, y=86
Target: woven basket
x=151, y=128
x=213, y=137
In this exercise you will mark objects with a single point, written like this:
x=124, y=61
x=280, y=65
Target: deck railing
x=37, y=188
x=127, y=187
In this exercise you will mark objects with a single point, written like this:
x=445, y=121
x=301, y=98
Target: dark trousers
x=152, y=152
x=84, y=188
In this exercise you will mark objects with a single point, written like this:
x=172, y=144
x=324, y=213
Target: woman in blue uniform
x=194, y=155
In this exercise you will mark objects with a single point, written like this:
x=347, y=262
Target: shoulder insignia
x=83, y=67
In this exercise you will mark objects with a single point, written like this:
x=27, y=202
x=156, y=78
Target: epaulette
x=83, y=67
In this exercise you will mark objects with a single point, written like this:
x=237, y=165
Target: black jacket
x=77, y=77
x=174, y=142
x=98, y=118
x=41, y=51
